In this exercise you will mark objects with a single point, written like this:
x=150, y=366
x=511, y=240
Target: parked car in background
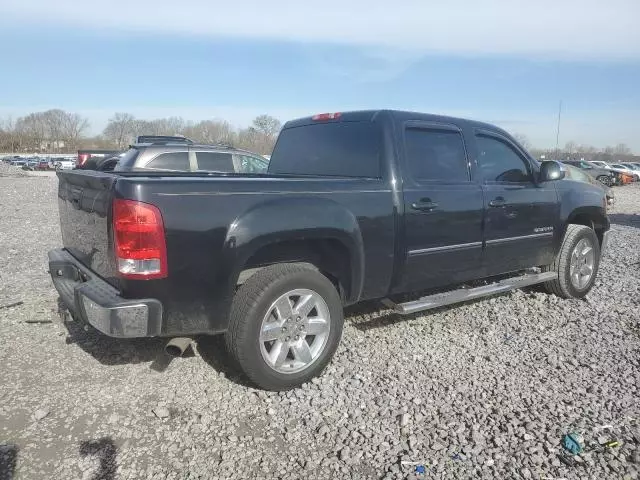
x=627, y=178
x=18, y=162
x=65, y=164
x=44, y=164
x=581, y=175
x=91, y=159
x=31, y=164
x=618, y=168
x=185, y=156
x=601, y=164
x=603, y=175
x=626, y=170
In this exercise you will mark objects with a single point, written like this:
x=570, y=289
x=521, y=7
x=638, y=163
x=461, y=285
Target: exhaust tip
x=177, y=346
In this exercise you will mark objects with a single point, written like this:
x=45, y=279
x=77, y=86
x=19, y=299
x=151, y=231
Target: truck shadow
x=114, y=351
x=8, y=461
x=625, y=219
x=214, y=352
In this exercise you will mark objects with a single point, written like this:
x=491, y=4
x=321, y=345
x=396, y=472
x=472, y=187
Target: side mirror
x=551, y=170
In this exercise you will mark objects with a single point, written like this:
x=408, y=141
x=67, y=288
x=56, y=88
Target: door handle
x=424, y=206
x=497, y=202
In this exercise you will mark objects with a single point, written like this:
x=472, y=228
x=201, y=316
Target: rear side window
x=215, y=161
x=250, y=164
x=435, y=155
x=170, y=161
x=127, y=159
x=339, y=149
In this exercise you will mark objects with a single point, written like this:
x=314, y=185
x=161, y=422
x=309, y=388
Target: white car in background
x=624, y=169
x=65, y=164
x=600, y=164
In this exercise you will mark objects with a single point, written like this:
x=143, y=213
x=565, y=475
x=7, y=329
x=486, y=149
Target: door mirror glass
x=551, y=170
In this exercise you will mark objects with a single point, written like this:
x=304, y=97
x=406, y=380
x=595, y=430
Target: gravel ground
x=483, y=390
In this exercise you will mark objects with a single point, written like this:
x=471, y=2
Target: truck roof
x=398, y=115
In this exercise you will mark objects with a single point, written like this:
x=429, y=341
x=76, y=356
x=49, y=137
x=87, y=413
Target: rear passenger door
x=521, y=215
x=442, y=208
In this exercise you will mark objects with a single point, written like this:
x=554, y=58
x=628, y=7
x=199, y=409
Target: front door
x=442, y=208
x=521, y=215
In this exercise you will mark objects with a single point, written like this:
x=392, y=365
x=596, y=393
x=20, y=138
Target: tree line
x=574, y=151
x=57, y=131
x=51, y=131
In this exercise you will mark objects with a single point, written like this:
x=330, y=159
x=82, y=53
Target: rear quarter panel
x=213, y=225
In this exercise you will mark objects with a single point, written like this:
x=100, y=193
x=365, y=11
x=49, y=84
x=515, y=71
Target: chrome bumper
x=98, y=303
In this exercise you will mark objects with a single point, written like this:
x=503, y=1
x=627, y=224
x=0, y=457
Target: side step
x=465, y=294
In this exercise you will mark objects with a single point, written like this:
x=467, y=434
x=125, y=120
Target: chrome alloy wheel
x=294, y=331
x=582, y=264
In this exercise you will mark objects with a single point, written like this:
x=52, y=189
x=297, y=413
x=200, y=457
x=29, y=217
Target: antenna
x=558, y=130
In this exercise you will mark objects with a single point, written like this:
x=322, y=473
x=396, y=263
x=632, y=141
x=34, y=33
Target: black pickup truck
x=354, y=206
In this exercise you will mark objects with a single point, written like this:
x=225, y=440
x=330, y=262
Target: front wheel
x=605, y=179
x=576, y=264
x=285, y=325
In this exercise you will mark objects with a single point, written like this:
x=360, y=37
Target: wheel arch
x=317, y=231
x=592, y=217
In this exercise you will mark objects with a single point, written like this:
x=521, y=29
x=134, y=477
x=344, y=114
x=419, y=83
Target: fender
x=598, y=215
x=295, y=218
x=588, y=201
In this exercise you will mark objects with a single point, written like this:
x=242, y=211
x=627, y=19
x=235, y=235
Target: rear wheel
x=605, y=179
x=576, y=264
x=285, y=324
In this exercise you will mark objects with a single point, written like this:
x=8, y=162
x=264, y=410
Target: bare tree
x=33, y=132
x=267, y=125
x=120, y=129
x=74, y=128
x=211, y=131
x=8, y=140
x=570, y=147
x=53, y=123
x=621, y=149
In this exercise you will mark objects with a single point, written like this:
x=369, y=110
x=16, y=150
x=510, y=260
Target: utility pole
x=558, y=129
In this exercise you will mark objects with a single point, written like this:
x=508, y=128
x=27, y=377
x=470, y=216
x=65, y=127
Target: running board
x=465, y=294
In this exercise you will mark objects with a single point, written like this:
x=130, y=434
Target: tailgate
x=84, y=203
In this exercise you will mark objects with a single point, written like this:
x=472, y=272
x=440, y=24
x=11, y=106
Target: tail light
x=82, y=158
x=140, y=247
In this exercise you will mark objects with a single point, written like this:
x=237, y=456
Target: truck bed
x=213, y=223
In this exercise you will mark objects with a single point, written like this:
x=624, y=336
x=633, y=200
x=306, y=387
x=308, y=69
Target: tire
x=605, y=179
x=566, y=286
x=255, y=316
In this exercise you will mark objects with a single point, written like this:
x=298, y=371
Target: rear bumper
x=97, y=302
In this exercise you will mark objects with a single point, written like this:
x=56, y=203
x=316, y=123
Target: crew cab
x=354, y=206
